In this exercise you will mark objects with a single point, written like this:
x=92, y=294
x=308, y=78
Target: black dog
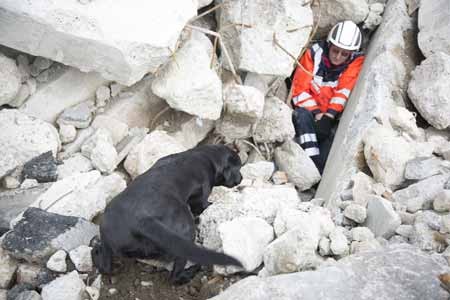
x=153, y=216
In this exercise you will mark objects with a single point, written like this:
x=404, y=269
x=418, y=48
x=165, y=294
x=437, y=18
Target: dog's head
x=230, y=174
x=100, y=259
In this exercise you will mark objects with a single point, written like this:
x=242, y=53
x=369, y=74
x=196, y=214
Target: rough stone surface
x=85, y=37
x=276, y=123
x=382, y=220
x=293, y=160
x=428, y=91
x=434, y=27
x=10, y=80
x=39, y=234
x=42, y=168
x=154, y=146
x=355, y=277
x=68, y=287
x=251, y=46
x=188, y=83
x=68, y=89
x=23, y=138
x=16, y=201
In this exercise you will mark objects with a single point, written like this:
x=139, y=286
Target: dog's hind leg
x=181, y=276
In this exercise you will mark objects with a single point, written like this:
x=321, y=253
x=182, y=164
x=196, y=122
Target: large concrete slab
x=381, y=86
x=399, y=272
x=121, y=39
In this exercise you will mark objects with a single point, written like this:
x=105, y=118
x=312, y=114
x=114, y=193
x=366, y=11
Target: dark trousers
x=305, y=135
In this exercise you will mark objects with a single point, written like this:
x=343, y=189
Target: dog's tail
x=178, y=246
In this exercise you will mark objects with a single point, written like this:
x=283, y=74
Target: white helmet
x=345, y=35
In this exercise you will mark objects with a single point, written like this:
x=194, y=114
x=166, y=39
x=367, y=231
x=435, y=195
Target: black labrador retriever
x=153, y=216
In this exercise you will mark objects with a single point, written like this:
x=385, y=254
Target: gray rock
x=39, y=234
x=28, y=295
x=42, y=168
x=79, y=115
x=359, y=276
x=423, y=167
x=16, y=201
x=381, y=217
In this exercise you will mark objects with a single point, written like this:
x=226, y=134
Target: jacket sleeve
x=345, y=85
x=301, y=85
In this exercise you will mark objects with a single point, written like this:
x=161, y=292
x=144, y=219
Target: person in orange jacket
x=321, y=87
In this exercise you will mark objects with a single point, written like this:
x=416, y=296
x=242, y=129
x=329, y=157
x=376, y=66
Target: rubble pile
x=89, y=104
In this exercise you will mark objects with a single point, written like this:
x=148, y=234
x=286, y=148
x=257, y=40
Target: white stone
x=428, y=91
x=324, y=246
x=434, y=27
x=102, y=94
x=8, y=267
x=382, y=220
x=333, y=11
x=57, y=262
x=420, y=195
x=69, y=89
x=187, y=129
x=364, y=246
x=361, y=234
x=92, y=40
x=67, y=133
x=356, y=213
x=28, y=273
x=276, y=123
x=78, y=163
x=445, y=223
x=100, y=149
x=293, y=160
x=262, y=170
x=386, y=155
x=251, y=45
x=81, y=258
x=10, y=182
x=93, y=292
x=23, y=138
x=292, y=252
x=339, y=242
x=404, y=120
x=188, y=83
x=245, y=239
x=67, y=287
x=137, y=106
x=116, y=128
x=243, y=107
x=362, y=188
x=317, y=220
x=81, y=195
x=154, y=146
x=374, y=17
x=262, y=202
x=22, y=95
x=10, y=79
x=442, y=201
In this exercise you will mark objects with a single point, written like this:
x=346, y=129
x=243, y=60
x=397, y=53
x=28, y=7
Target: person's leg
x=305, y=134
x=325, y=147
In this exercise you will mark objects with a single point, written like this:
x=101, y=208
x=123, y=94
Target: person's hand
x=318, y=116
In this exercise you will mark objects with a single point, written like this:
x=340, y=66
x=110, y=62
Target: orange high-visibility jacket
x=329, y=87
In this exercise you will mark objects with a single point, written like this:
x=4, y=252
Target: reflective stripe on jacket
x=330, y=86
